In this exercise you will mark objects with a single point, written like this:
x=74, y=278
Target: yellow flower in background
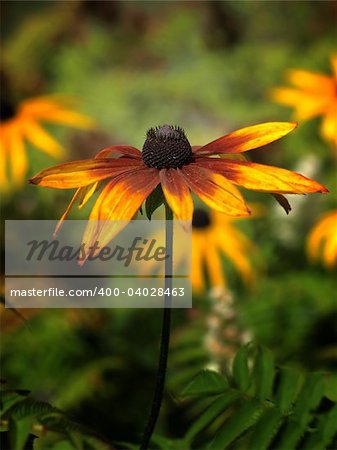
x=313, y=95
x=322, y=240
x=22, y=123
x=214, y=234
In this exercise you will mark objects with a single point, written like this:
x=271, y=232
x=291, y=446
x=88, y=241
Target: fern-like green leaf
x=240, y=369
x=206, y=382
x=245, y=416
x=214, y=410
x=266, y=428
x=287, y=391
x=263, y=373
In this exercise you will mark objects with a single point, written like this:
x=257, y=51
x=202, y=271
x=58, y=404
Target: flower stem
x=165, y=335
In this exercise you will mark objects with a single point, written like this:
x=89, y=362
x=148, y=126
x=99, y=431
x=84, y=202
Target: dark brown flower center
x=201, y=219
x=7, y=110
x=166, y=147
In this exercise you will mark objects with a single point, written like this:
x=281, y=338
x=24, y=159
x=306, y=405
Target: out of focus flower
x=215, y=234
x=22, y=123
x=168, y=158
x=322, y=240
x=313, y=94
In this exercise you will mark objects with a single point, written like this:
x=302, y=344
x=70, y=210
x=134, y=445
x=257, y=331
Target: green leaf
x=170, y=444
x=289, y=385
x=309, y=397
x=28, y=407
x=214, y=410
x=331, y=387
x=19, y=431
x=266, y=429
x=154, y=201
x=9, y=398
x=207, y=382
x=240, y=369
x=325, y=433
x=307, y=400
x=242, y=419
x=63, y=445
x=263, y=374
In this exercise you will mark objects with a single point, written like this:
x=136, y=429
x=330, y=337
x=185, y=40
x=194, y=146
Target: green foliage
x=23, y=418
x=154, y=201
x=261, y=406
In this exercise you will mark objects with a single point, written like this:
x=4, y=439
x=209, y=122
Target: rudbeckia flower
x=22, y=123
x=214, y=234
x=322, y=241
x=312, y=94
x=168, y=158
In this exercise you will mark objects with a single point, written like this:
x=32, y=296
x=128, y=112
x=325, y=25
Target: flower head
x=322, y=240
x=312, y=95
x=168, y=159
x=214, y=234
x=22, y=123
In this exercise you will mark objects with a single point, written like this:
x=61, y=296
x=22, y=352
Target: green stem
x=165, y=335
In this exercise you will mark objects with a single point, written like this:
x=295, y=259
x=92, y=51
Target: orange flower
x=322, y=241
x=313, y=95
x=214, y=234
x=168, y=158
x=22, y=123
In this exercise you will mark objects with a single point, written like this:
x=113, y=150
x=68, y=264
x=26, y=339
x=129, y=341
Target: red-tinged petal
x=117, y=204
x=260, y=177
x=217, y=192
x=87, y=192
x=177, y=193
x=248, y=138
x=67, y=211
x=82, y=173
x=119, y=150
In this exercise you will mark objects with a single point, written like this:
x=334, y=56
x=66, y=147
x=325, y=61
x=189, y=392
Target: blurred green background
x=208, y=67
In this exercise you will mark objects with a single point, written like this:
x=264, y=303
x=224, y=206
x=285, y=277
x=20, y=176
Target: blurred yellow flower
x=312, y=95
x=322, y=240
x=23, y=123
x=214, y=234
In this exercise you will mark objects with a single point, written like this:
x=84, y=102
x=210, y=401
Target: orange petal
x=315, y=83
x=260, y=177
x=117, y=204
x=217, y=192
x=119, y=150
x=324, y=229
x=307, y=105
x=82, y=173
x=329, y=125
x=4, y=183
x=41, y=139
x=87, y=192
x=18, y=156
x=67, y=211
x=198, y=252
x=248, y=138
x=213, y=265
x=66, y=117
x=177, y=193
x=334, y=65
